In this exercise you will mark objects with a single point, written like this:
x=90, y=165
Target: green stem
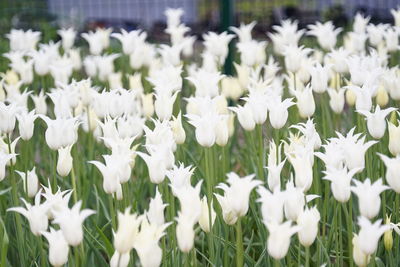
x=239, y=244
x=210, y=186
x=73, y=178
x=14, y=196
x=350, y=232
x=260, y=148
x=307, y=256
x=340, y=235
x=42, y=252
x=112, y=211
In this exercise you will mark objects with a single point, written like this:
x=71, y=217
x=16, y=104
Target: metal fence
x=201, y=15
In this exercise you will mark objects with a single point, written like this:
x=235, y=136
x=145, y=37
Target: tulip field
x=116, y=151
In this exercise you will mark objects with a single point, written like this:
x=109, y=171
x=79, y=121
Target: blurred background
x=200, y=15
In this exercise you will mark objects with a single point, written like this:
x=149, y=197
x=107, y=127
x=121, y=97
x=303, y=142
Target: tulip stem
x=112, y=212
x=55, y=184
x=14, y=196
x=239, y=243
x=73, y=178
x=307, y=256
x=210, y=185
x=350, y=231
x=42, y=252
x=340, y=234
x=259, y=132
x=396, y=214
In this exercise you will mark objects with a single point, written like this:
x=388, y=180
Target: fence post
x=226, y=15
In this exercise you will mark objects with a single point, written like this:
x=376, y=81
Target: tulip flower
x=279, y=238
x=308, y=226
x=305, y=102
x=4, y=160
x=205, y=127
x=7, y=117
x=271, y=204
x=179, y=176
x=127, y=231
x=338, y=59
x=110, y=173
x=278, y=111
x=146, y=243
x=394, y=138
x=392, y=173
x=376, y=121
x=235, y=201
x=60, y=132
x=35, y=214
x=354, y=149
x=95, y=42
x=294, y=201
x=217, y=45
x=189, y=199
x=58, y=247
x=336, y=99
x=285, y=34
x=369, y=201
x=184, y=232
x=275, y=166
x=67, y=38
x=340, y=179
x=360, y=258
x=155, y=214
x=243, y=32
x=245, y=116
x=326, y=34
x=294, y=55
x=26, y=124
x=369, y=234
x=70, y=222
x=64, y=161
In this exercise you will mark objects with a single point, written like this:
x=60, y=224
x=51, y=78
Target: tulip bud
x=382, y=97
x=118, y=194
x=230, y=87
x=243, y=74
x=147, y=105
x=205, y=215
x=30, y=181
x=305, y=102
x=11, y=77
x=394, y=138
x=351, y=97
x=222, y=131
x=135, y=82
x=221, y=104
x=64, y=162
x=387, y=236
x=231, y=124
x=177, y=129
